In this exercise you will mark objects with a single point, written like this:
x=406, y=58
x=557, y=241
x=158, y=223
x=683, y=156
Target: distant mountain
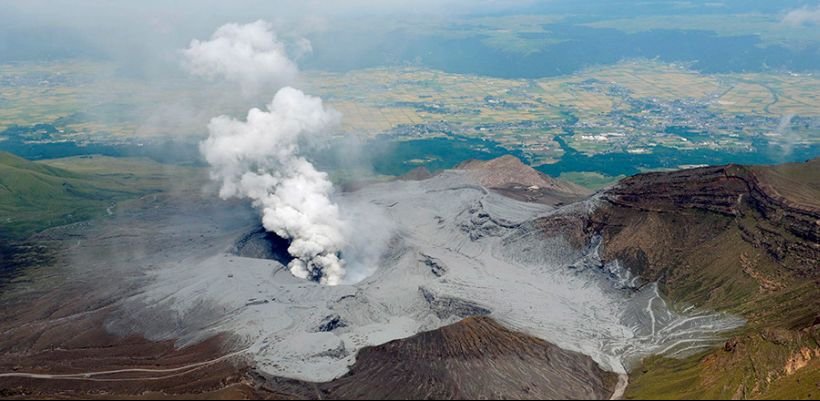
x=510, y=176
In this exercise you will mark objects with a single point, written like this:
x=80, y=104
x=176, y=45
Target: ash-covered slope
x=457, y=249
x=566, y=311
x=475, y=358
x=732, y=238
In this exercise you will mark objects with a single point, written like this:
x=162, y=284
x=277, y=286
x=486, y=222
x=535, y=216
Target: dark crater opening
x=331, y=323
x=261, y=244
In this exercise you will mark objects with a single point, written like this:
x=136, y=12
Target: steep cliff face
x=788, y=197
x=733, y=238
x=785, y=223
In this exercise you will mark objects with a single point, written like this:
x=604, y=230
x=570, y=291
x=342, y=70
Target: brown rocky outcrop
x=784, y=224
x=510, y=177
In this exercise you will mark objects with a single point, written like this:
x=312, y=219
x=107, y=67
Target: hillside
x=737, y=239
x=731, y=238
x=38, y=195
x=476, y=358
x=509, y=176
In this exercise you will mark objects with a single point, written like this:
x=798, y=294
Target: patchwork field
x=656, y=80
x=387, y=98
x=375, y=100
x=630, y=108
x=782, y=94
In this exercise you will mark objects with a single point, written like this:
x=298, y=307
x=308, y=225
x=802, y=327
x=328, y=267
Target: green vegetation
x=35, y=196
x=779, y=308
x=759, y=367
x=589, y=180
x=757, y=357
x=622, y=110
x=777, y=353
x=800, y=182
x=802, y=384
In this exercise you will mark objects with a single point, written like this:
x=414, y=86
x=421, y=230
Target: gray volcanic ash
x=263, y=244
x=457, y=249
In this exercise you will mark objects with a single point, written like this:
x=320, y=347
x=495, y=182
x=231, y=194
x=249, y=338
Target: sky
x=138, y=31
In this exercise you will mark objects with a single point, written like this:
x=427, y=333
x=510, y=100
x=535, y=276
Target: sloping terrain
x=479, y=293
x=511, y=177
x=178, y=281
x=38, y=195
x=56, y=341
x=739, y=239
x=454, y=249
x=35, y=196
x=475, y=358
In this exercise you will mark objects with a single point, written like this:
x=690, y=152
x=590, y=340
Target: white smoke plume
x=250, y=55
x=259, y=158
x=786, y=136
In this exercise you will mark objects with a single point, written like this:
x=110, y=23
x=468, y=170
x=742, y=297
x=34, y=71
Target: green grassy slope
x=35, y=196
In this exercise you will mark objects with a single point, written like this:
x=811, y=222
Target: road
x=90, y=376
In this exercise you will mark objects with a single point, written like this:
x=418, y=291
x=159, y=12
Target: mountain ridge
x=509, y=170
x=731, y=238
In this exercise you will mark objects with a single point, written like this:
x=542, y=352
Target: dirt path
x=620, y=388
x=89, y=376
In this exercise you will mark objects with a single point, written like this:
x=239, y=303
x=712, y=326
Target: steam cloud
x=786, y=136
x=803, y=16
x=250, y=55
x=259, y=158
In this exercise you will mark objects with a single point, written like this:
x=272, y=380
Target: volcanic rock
x=262, y=244
x=511, y=176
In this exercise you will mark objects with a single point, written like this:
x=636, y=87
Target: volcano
x=494, y=281
x=465, y=243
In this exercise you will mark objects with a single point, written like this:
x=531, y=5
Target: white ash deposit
x=446, y=259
